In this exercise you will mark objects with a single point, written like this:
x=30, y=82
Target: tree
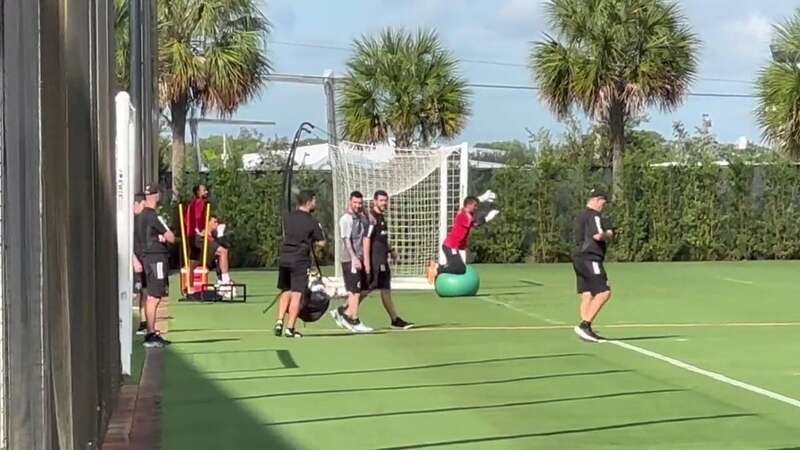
x=212, y=56
x=122, y=42
x=403, y=86
x=778, y=90
x=614, y=59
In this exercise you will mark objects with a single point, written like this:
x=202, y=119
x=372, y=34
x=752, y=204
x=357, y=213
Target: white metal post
x=125, y=163
x=463, y=177
x=444, y=173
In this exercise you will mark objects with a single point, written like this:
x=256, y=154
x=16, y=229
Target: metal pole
x=330, y=101
x=135, y=76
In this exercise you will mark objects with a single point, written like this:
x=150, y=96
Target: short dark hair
x=138, y=197
x=379, y=193
x=196, y=188
x=305, y=196
x=470, y=200
x=356, y=194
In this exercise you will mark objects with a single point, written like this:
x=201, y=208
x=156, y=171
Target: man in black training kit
x=591, y=239
x=300, y=232
x=139, y=282
x=378, y=254
x=155, y=235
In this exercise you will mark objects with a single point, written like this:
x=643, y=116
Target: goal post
x=425, y=186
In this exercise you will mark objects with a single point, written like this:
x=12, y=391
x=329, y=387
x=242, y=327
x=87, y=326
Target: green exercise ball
x=466, y=285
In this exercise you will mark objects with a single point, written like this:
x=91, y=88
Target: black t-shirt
x=300, y=231
x=378, y=234
x=138, y=240
x=148, y=226
x=588, y=223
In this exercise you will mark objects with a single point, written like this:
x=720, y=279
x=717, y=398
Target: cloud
x=755, y=30
x=519, y=18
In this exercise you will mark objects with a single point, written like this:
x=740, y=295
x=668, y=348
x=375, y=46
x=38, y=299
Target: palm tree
x=212, y=56
x=778, y=89
x=614, y=59
x=405, y=87
x=122, y=42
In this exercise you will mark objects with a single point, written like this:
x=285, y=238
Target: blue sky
x=735, y=36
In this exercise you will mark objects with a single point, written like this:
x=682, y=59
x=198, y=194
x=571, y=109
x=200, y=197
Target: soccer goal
x=425, y=186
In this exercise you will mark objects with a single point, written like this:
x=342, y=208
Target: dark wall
x=60, y=237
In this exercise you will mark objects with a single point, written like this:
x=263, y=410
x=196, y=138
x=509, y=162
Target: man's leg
x=388, y=304
x=223, y=264
x=586, y=300
x=294, y=309
x=455, y=262
x=151, y=313
x=283, y=304
x=596, y=304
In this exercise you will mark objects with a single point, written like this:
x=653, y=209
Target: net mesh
x=424, y=185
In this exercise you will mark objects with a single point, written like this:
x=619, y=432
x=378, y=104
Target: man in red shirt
x=196, y=221
x=457, y=241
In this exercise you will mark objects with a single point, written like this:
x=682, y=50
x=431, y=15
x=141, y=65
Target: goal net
x=425, y=187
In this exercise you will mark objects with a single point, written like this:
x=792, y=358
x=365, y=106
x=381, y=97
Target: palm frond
x=404, y=86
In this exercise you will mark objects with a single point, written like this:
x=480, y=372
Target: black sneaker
x=291, y=333
x=401, y=324
x=161, y=339
x=586, y=334
x=595, y=335
x=278, y=328
x=142, y=328
x=152, y=340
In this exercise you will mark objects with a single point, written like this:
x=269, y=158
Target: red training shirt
x=458, y=238
x=195, y=217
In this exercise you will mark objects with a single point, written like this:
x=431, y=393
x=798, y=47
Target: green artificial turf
x=499, y=371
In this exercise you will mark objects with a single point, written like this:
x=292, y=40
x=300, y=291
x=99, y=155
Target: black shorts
x=381, y=277
x=591, y=276
x=139, y=282
x=356, y=282
x=197, y=251
x=156, y=271
x=293, y=279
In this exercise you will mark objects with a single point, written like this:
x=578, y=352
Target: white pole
x=443, y=211
x=124, y=159
x=464, y=173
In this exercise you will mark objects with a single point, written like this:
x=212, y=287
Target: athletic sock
x=584, y=324
x=226, y=278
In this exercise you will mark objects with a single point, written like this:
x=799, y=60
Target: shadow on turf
x=412, y=386
x=226, y=426
x=477, y=407
x=410, y=368
x=620, y=426
x=205, y=341
x=647, y=338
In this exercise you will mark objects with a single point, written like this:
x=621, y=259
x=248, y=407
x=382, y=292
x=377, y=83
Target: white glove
x=487, y=196
x=220, y=230
x=463, y=255
x=491, y=215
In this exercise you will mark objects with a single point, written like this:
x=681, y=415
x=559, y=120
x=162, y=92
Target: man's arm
x=345, y=229
x=137, y=265
x=165, y=234
x=601, y=235
x=368, y=247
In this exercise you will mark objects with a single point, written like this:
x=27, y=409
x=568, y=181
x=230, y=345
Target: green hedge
x=694, y=211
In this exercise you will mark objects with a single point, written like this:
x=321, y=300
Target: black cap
x=138, y=197
x=151, y=189
x=598, y=193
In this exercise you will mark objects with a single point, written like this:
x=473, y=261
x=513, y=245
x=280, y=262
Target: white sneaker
x=337, y=318
x=227, y=290
x=361, y=328
x=584, y=336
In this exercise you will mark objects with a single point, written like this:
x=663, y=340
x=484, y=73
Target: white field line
x=707, y=373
